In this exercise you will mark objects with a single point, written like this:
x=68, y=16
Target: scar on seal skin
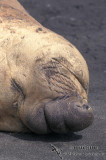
x=44, y=79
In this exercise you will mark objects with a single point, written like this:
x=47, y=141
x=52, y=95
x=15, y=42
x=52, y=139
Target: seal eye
x=17, y=87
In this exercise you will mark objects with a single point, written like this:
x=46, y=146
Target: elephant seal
x=44, y=79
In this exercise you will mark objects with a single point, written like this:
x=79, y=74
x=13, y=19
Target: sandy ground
x=83, y=23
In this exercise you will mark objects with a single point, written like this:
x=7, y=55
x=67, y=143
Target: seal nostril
x=85, y=106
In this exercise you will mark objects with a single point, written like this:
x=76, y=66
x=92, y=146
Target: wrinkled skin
x=44, y=79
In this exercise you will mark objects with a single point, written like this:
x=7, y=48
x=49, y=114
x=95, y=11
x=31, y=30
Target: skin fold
x=44, y=79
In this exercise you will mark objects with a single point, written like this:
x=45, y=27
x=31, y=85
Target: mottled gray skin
x=44, y=79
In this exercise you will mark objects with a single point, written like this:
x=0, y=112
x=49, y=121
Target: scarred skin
x=44, y=79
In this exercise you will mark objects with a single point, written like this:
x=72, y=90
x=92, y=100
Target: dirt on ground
x=83, y=23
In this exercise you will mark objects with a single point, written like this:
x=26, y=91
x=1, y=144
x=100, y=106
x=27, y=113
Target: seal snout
x=66, y=115
x=84, y=106
x=60, y=116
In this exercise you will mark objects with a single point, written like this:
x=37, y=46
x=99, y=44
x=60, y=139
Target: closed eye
x=17, y=87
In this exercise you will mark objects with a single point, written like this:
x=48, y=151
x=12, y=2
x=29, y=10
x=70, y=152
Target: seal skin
x=44, y=79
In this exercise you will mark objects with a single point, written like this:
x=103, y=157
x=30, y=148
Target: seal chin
x=61, y=115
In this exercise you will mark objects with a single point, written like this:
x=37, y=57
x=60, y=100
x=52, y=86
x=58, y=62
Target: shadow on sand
x=47, y=138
